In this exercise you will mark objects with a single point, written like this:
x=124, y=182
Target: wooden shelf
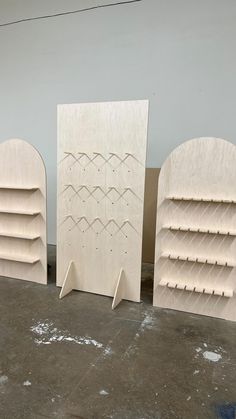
x=200, y=289
x=19, y=258
x=197, y=260
x=19, y=188
x=199, y=230
x=193, y=199
x=19, y=212
x=24, y=236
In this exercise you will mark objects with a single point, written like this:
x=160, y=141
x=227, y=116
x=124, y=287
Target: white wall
x=179, y=54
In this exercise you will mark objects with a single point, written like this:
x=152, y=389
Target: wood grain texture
x=149, y=217
x=23, y=239
x=101, y=173
x=120, y=290
x=70, y=282
x=195, y=255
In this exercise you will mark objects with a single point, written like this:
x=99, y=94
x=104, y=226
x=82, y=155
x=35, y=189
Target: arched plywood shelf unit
x=23, y=241
x=195, y=256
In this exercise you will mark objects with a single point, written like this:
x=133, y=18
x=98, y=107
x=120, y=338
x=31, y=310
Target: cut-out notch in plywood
x=101, y=174
x=195, y=255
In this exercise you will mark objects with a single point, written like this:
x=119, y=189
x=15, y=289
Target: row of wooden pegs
x=199, y=230
x=197, y=260
x=100, y=159
x=99, y=222
x=197, y=288
x=196, y=199
x=92, y=190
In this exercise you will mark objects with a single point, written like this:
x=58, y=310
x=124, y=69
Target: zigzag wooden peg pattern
x=101, y=174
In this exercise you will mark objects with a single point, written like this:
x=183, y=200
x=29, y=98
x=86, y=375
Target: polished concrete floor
x=76, y=358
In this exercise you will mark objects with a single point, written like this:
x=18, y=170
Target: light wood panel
x=195, y=254
x=149, y=218
x=22, y=212
x=101, y=173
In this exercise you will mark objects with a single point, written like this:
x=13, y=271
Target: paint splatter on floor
x=3, y=379
x=47, y=334
x=212, y=356
x=27, y=383
x=103, y=393
x=147, y=322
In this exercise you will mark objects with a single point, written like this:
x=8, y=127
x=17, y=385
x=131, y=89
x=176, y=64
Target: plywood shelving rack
x=195, y=263
x=22, y=212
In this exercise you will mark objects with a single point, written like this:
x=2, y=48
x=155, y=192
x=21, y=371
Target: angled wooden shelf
x=185, y=229
x=19, y=258
x=19, y=188
x=222, y=292
x=24, y=236
x=197, y=260
x=19, y=212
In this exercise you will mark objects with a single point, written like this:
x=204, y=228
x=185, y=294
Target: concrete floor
x=76, y=358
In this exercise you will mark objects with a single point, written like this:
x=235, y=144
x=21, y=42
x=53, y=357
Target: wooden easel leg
x=120, y=289
x=70, y=280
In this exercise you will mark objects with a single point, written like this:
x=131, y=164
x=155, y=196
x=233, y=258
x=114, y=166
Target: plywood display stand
x=196, y=229
x=101, y=174
x=22, y=212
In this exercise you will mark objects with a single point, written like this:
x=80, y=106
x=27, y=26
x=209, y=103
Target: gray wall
x=181, y=55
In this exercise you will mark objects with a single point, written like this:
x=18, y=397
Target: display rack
x=22, y=212
x=101, y=174
x=195, y=256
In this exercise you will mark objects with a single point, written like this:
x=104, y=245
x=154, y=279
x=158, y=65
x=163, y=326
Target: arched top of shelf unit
x=199, y=169
x=22, y=166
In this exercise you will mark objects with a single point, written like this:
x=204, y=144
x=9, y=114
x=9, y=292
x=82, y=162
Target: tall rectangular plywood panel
x=195, y=257
x=101, y=175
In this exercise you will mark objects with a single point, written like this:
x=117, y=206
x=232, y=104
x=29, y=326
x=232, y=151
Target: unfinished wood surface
x=195, y=255
x=22, y=212
x=71, y=280
x=120, y=289
x=149, y=217
x=101, y=173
